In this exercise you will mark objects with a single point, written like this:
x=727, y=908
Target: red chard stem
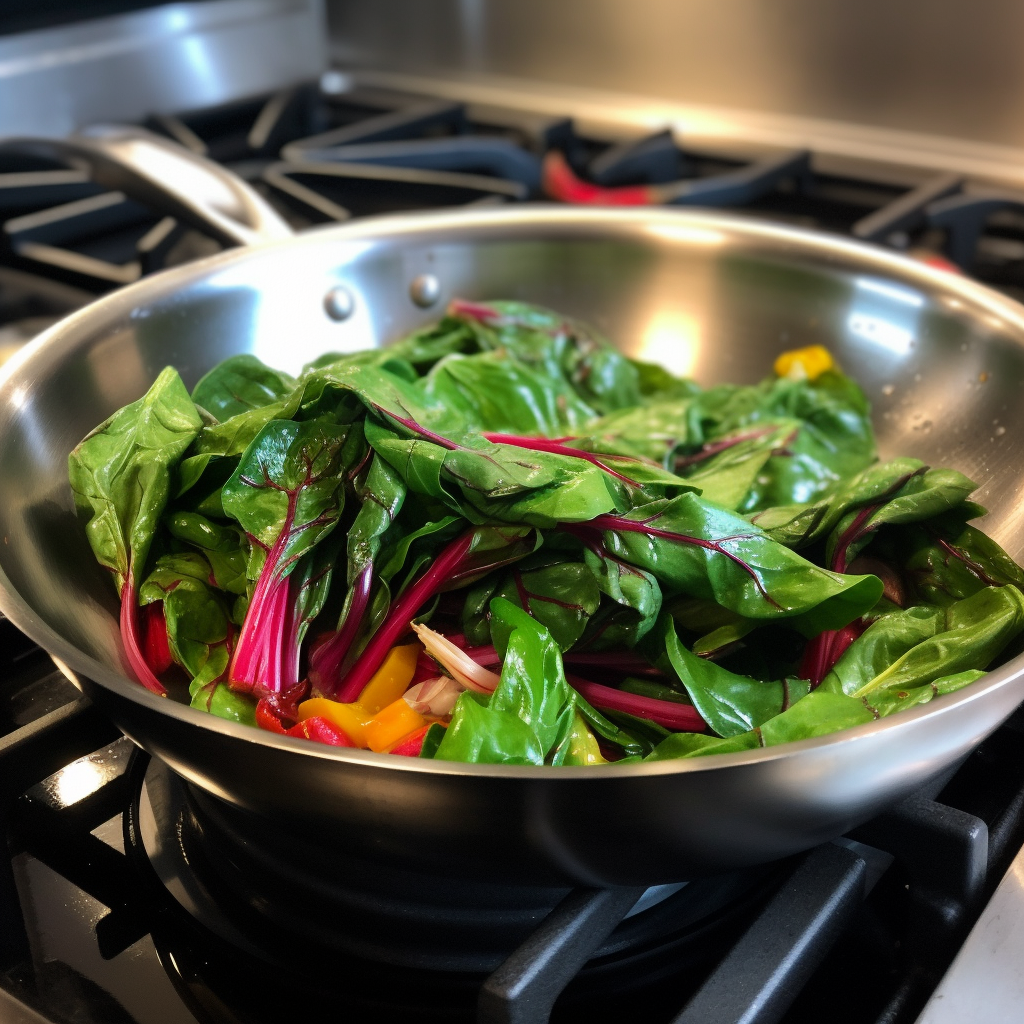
x=131, y=636
x=401, y=614
x=678, y=717
x=326, y=659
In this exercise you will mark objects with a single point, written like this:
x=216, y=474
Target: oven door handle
x=164, y=175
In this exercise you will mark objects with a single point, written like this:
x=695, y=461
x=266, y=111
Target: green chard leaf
x=287, y=494
x=555, y=345
x=944, y=559
x=635, y=601
x=199, y=632
x=209, y=692
x=484, y=481
x=428, y=345
x=698, y=549
x=239, y=384
x=579, y=747
x=381, y=497
x=800, y=525
x=652, y=431
x=530, y=713
x=407, y=552
x=655, y=380
x=381, y=494
x=635, y=736
x=731, y=704
x=225, y=547
x=561, y=596
x=726, y=470
x=634, y=480
x=225, y=442
x=902, y=651
x=922, y=496
x=493, y=391
x=122, y=474
x=834, y=439
x=818, y=714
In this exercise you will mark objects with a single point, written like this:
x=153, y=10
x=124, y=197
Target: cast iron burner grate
x=321, y=157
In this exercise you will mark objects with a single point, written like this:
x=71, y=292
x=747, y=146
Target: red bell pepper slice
x=412, y=744
x=320, y=730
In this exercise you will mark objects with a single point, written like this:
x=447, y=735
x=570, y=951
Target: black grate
x=322, y=157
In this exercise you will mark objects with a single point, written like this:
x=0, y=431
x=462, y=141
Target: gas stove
x=129, y=896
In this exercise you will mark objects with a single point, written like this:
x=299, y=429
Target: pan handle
x=160, y=173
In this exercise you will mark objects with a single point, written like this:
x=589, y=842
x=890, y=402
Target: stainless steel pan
x=942, y=359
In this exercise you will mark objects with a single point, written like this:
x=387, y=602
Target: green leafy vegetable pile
x=501, y=540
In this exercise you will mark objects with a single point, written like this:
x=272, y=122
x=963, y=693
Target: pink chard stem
x=131, y=636
x=326, y=659
x=678, y=717
x=401, y=614
x=556, y=447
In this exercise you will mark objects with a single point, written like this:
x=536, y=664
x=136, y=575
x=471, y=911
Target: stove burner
x=276, y=895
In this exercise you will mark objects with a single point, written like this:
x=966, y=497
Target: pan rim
x=459, y=225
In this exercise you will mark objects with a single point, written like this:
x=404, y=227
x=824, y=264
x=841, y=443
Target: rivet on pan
x=425, y=290
x=339, y=303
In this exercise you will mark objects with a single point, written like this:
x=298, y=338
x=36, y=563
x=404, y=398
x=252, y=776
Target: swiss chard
x=561, y=596
x=381, y=496
x=817, y=714
x=446, y=460
x=561, y=347
x=706, y=552
x=122, y=476
x=239, y=384
x=834, y=439
x=635, y=599
x=495, y=391
x=225, y=547
x=731, y=704
x=945, y=559
x=471, y=555
x=199, y=632
x=287, y=496
x=922, y=495
x=906, y=650
x=529, y=715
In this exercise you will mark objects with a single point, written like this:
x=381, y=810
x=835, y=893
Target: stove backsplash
x=940, y=67
x=158, y=60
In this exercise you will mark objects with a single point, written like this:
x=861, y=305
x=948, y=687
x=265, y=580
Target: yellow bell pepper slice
x=350, y=718
x=392, y=724
x=804, y=363
x=392, y=679
x=385, y=687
